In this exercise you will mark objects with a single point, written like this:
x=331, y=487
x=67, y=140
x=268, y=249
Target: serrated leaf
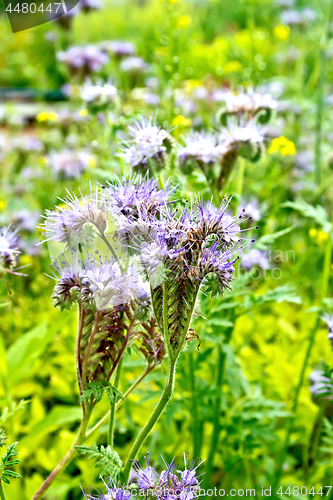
x=317, y=213
x=267, y=240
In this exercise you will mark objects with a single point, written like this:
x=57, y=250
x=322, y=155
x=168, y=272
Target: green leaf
x=9, y=411
x=266, y=241
x=11, y=473
x=106, y=459
x=23, y=354
x=317, y=213
x=58, y=417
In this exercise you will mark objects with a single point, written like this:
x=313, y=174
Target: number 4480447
x=303, y=491
x=24, y=8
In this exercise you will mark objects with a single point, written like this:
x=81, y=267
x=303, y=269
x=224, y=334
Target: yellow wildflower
x=3, y=204
x=45, y=116
x=282, y=145
x=313, y=232
x=83, y=112
x=322, y=237
x=184, y=22
x=281, y=32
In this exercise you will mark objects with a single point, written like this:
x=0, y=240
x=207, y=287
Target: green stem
x=113, y=408
x=327, y=266
x=221, y=359
x=284, y=451
x=165, y=398
x=240, y=179
x=216, y=422
x=118, y=404
x=317, y=432
x=2, y=492
x=67, y=458
x=321, y=96
x=194, y=406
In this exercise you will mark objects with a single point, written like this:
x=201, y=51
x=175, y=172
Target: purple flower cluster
x=255, y=258
x=118, y=48
x=9, y=242
x=89, y=58
x=70, y=164
x=147, y=142
x=171, y=484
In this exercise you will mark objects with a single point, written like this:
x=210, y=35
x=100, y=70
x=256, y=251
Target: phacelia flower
x=251, y=208
x=133, y=65
x=9, y=248
x=148, y=141
x=89, y=58
x=99, y=94
x=255, y=258
x=130, y=196
x=118, y=48
x=320, y=384
x=89, y=5
x=202, y=148
x=76, y=222
x=70, y=164
x=249, y=101
x=172, y=483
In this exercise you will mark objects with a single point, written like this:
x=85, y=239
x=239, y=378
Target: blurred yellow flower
x=45, y=116
x=83, y=112
x=184, y=22
x=282, y=145
x=26, y=260
x=180, y=120
x=3, y=204
x=281, y=32
x=42, y=160
x=92, y=162
x=320, y=236
x=233, y=67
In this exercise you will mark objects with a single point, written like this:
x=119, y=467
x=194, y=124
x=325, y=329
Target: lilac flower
x=249, y=101
x=130, y=196
x=90, y=57
x=27, y=144
x=113, y=493
x=88, y=5
x=320, y=384
x=97, y=281
x=201, y=147
x=98, y=94
x=151, y=99
x=118, y=47
x=172, y=483
x=295, y=17
x=9, y=251
x=240, y=134
x=133, y=65
x=328, y=318
x=255, y=258
x=76, y=222
x=147, y=142
x=70, y=164
x=251, y=208
x=25, y=220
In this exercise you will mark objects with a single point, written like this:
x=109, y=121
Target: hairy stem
x=86, y=357
x=165, y=398
x=194, y=406
x=67, y=458
x=119, y=403
x=216, y=422
x=2, y=492
x=284, y=450
x=113, y=407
